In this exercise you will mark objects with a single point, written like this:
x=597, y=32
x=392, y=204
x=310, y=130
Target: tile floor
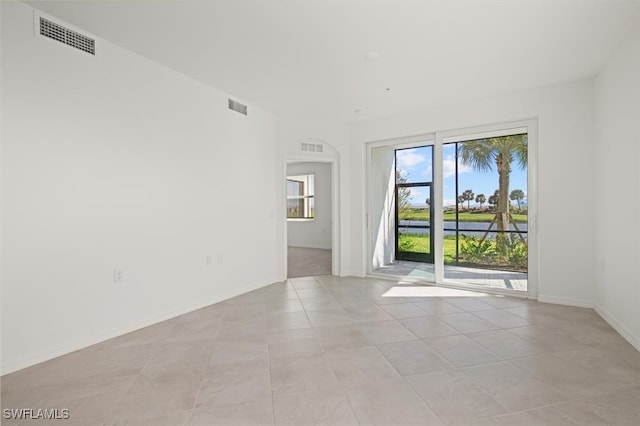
x=327, y=350
x=475, y=276
x=306, y=262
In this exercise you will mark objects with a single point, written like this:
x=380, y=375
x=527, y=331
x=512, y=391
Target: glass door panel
x=413, y=233
x=413, y=195
x=485, y=209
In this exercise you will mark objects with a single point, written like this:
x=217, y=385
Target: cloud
x=409, y=158
x=449, y=167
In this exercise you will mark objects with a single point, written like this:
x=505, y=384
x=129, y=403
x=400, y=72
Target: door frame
x=437, y=139
x=429, y=258
x=335, y=206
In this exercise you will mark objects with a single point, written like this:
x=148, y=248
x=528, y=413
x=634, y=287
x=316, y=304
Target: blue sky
x=416, y=165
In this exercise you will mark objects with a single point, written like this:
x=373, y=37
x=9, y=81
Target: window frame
x=308, y=194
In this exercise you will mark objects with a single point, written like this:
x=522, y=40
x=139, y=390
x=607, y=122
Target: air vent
x=311, y=147
x=237, y=107
x=64, y=35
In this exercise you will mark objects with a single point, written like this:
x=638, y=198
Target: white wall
x=290, y=132
x=617, y=191
x=114, y=161
x=314, y=233
x=565, y=158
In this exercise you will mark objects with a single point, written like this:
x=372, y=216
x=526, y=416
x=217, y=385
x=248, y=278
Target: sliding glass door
x=456, y=208
x=485, y=210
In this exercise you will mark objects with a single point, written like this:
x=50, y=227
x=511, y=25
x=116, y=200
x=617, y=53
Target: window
x=300, y=201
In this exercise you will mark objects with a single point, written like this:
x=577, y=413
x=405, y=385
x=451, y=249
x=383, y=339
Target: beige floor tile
x=314, y=293
x=321, y=304
x=436, y=306
x=253, y=330
x=469, y=304
x=506, y=302
x=502, y=319
x=288, y=305
x=157, y=395
x=234, y=383
x=429, y=326
x=614, y=371
x=86, y=410
x=236, y=360
x=619, y=408
x=565, y=376
x=293, y=342
x=505, y=344
x=512, y=387
x=548, y=339
x=235, y=351
x=287, y=321
x=188, y=356
x=251, y=413
x=206, y=316
x=404, y=310
x=151, y=334
x=340, y=337
x=380, y=299
x=461, y=351
x=91, y=387
x=322, y=407
x=301, y=373
x=367, y=313
x=466, y=323
x=385, y=332
x=175, y=419
x=194, y=331
x=616, y=408
x=360, y=365
x=453, y=397
x=413, y=357
x=327, y=318
x=387, y=403
x=239, y=313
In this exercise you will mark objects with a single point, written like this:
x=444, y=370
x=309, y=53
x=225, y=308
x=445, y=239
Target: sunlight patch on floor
x=429, y=291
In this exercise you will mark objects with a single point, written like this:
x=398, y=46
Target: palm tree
x=482, y=154
x=468, y=197
x=517, y=195
x=481, y=199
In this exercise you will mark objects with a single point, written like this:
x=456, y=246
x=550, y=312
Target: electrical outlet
x=209, y=259
x=118, y=275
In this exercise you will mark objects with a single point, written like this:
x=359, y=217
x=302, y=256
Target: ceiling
x=326, y=59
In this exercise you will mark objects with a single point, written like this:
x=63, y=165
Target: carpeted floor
x=308, y=262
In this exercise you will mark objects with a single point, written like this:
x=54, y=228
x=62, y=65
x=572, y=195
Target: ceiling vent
x=65, y=35
x=311, y=147
x=237, y=107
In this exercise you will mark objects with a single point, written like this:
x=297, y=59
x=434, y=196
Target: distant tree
x=493, y=199
x=404, y=194
x=428, y=202
x=461, y=200
x=517, y=195
x=468, y=195
x=481, y=199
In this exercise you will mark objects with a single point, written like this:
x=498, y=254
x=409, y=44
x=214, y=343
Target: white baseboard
x=619, y=327
x=85, y=341
x=580, y=303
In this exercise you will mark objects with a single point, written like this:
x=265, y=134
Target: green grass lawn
x=421, y=244
x=423, y=214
